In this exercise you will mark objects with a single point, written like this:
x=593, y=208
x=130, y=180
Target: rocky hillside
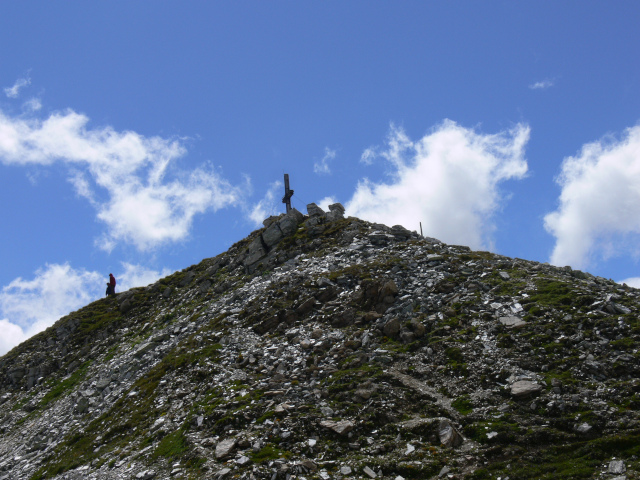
x=322, y=347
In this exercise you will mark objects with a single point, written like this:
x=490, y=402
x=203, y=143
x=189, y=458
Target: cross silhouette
x=288, y=193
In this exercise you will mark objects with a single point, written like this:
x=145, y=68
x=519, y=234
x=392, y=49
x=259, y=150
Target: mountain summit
x=323, y=347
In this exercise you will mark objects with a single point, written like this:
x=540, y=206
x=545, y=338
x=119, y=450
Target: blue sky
x=140, y=137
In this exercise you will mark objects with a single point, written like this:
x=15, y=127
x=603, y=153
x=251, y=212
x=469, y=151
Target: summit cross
x=288, y=193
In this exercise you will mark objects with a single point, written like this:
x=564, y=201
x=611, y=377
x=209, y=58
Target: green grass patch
x=553, y=347
x=551, y=293
x=454, y=354
x=131, y=416
x=65, y=385
x=267, y=453
x=81, y=454
x=268, y=414
x=171, y=446
x=98, y=317
x=463, y=405
x=626, y=343
x=576, y=460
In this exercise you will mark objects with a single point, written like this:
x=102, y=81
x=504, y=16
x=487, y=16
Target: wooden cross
x=288, y=193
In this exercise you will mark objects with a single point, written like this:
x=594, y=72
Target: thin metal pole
x=421, y=230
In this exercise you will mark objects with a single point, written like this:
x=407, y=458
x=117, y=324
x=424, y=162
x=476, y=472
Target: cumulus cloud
x=269, y=205
x=542, y=85
x=143, y=206
x=138, y=276
x=325, y=202
x=448, y=180
x=322, y=167
x=11, y=335
x=599, y=206
x=28, y=307
x=14, y=91
x=632, y=282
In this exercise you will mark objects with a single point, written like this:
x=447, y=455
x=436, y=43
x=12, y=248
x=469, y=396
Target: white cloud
x=269, y=205
x=369, y=155
x=543, y=85
x=55, y=290
x=632, y=282
x=14, y=91
x=325, y=202
x=322, y=167
x=32, y=105
x=448, y=180
x=30, y=306
x=138, y=276
x=599, y=210
x=11, y=335
x=142, y=207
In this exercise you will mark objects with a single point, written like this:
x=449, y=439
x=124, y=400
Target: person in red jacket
x=111, y=286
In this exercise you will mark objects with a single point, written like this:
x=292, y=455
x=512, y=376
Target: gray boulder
x=272, y=235
x=187, y=279
x=225, y=447
x=103, y=383
x=146, y=475
x=337, y=207
x=272, y=219
x=524, y=388
x=289, y=223
x=449, y=436
x=617, y=467
x=256, y=252
x=126, y=306
x=315, y=211
x=341, y=427
x=83, y=405
x=336, y=212
x=512, y=322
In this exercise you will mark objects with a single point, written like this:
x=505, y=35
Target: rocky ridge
x=324, y=347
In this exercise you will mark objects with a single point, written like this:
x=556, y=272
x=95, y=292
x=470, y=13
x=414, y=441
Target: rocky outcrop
x=324, y=347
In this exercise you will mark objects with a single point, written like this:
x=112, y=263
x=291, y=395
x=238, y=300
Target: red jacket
x=112, y=280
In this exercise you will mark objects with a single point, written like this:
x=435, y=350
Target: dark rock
x=391, y=327
x=327, y=293
x=272, y=235
x=306, y=306
x=102, y=383
x=336, y=212
x=314, y=210
x=407, y=336
x=126, y=306
x=83, y=405
x=418, y=328
x=289, y=223
x=256, y=251
x=205, y=285
x=188, y=278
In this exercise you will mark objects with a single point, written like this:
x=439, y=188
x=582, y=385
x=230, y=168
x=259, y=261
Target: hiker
x=111, y=286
